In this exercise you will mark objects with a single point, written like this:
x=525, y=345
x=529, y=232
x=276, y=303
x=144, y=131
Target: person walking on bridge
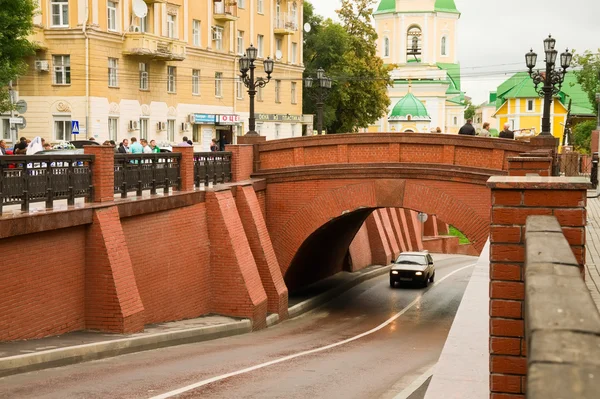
x=468, y=128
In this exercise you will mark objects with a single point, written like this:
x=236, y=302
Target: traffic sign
x=16, y=121
x=75, y=127
x=21, y=106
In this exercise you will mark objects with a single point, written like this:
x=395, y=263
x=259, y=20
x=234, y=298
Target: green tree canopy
x=470, y=110
x=348, y=54
x=588, y=64
x=16, y=22
x=582, y=136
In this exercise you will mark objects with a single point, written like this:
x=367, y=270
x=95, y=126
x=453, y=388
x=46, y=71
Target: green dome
x=386, y=6
x=410, y=106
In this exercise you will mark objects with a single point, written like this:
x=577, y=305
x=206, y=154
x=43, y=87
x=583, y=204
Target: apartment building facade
x=162, y=69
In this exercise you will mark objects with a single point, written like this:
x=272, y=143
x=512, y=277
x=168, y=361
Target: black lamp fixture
x=552, y=79
x=247, y=67
x=322, y=84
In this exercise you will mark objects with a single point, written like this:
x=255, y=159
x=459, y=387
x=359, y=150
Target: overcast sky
x=494, y=35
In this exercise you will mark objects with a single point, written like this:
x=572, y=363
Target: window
x=60, y=13
x=62, y=69
x=62, y=129
x=172, y=26
x=239, y=90
x=196, y=134
x=259, y=94
x=444, y=45
x=196, y=29
x=413, y=45
x=113, y=75
x=240, y=42
x=113, y=129
x=294, y=53
x=530, y=105
x=278, y=44
x=260, y=40
x=112, y=15
x=294, y=13
x=242, y=3
x=171, y=79
x=294, y=99
x=144, y=128
x=144, y=24
x=5, y=129
x=196, y=82
x=455, y=121
x=218, y=37
x=260, y=6
x=278, y=91
x=171, y=130
x=386, y=47
x=218, y=84
x=143, y=76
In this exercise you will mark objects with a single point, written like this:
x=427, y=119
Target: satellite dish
x=307, y=27
x=278, y=55
x=140, y=9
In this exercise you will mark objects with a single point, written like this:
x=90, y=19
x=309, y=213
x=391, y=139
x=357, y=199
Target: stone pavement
x=592, y=258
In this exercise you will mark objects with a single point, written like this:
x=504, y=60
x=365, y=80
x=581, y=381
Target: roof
x=453, y=72
x=409, y=105
x=440, y=6
x=520, y=85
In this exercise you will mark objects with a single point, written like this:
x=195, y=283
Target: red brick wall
x=170, y=253
x=262, y=201
x=103, y=176
x=389, y=232
x=397, y=228
x=513, y=200
x=380, y=249
x=522, y=166
x=43, y=280
x=242, y=161
x=360, y=250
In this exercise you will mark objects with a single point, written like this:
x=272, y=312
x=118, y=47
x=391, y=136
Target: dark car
x=81, y=143
x=413, y=267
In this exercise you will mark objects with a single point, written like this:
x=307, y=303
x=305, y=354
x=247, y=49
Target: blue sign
x=75, y=127
x=206, y=119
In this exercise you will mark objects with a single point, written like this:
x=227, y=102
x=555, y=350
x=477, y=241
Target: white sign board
x=228, y=119
x=207, y=136
x=16, y=121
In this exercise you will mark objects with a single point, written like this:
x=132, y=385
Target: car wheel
x=392, y=283
x=432, y=279
x=425, y=281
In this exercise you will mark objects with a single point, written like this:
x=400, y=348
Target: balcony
x=38, y=39
x=285, y=24
x=154, y=47
x=225, y=11
x=155, y=1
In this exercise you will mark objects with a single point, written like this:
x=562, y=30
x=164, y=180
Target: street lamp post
x=247, y=68
x=552, y=79
x=323, y=84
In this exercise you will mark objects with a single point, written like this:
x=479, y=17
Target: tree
x=582, y=136
x=16, y=23
x=348, y=53
x=470, y=110
x=587, y=75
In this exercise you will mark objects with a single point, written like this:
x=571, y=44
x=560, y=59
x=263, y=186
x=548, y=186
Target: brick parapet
x=513, y=200
x=522, y=166
x=242, y=160
x=186, y=167
x=103, y=171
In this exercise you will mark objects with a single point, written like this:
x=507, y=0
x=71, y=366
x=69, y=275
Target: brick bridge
x=292, y=210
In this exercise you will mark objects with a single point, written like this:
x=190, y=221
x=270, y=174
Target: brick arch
x=384, y=193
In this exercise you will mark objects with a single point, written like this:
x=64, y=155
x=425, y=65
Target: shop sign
x=278, y=118
x=228, y=119
x=203, y=119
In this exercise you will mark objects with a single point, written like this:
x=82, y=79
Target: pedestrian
x=507, y=133
x=468, y=128
x=485, y=130
x=438, y=130
x=185, y=142
x=47, y=146
x=92, y=138
x=2, y=147
x=213, y=146
x=125, y=145
x=432, y=130
x=223, y=142
x=106, y=142
x=136, y=147
x=122, y=149
x=146, y=148
x=154, y=147
x=21, y=147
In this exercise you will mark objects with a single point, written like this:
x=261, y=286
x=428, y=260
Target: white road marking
x=208, y=381
x=416, y=384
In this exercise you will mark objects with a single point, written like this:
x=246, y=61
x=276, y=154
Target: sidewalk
x=24, y=356
x=592, y=254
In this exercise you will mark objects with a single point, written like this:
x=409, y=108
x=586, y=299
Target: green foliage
x=470, y=110
x=347, y=53
x=582, y=136
x=16, y=22
x=462, y=239
x=588, y=64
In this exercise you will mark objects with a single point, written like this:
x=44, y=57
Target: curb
x=100, y=350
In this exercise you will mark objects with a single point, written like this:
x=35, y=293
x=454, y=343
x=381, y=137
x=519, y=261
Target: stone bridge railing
x=387, y=148
x=562, y=323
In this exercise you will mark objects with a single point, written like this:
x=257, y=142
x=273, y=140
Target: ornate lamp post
x=552, y=79
x=247, y=68
x=323, y=84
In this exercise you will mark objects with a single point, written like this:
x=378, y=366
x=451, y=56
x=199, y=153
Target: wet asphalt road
x=378, y=365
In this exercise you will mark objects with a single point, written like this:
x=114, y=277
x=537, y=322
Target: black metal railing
x=139, y=172
x=574, y=164
x=212, y=166
x=36, y=178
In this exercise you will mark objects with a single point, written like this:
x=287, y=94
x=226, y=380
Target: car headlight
x=394, y=271
x=418, y=273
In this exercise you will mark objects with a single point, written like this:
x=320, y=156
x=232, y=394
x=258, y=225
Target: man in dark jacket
x=468, y=128
x=507, y=133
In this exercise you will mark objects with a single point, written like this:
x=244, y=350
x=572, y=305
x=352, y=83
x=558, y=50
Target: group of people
x=469, y=130
x=25, y=146
x=136, y=147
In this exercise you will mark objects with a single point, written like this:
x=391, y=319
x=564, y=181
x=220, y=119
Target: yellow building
x=419, y=37
x=519, y=105
x=162, y=69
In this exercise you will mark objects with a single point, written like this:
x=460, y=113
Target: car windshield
x=412, y=259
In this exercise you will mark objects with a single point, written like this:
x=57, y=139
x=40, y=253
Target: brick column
x=522, y=166
x=242, y=159
x=103, y=171
x=513, y=200
x=186, y=167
